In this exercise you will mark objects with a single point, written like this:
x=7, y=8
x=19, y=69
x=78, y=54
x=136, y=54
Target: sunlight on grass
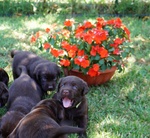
x=3, y=27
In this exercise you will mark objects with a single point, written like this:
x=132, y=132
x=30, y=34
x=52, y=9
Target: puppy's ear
x=36, y=74
x=85, y=88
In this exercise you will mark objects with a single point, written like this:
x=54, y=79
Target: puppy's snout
x=65, y=92
x=51, y=88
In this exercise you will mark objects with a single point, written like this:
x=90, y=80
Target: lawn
x=117, y=109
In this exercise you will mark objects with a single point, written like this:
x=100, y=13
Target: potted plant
x=88, y=48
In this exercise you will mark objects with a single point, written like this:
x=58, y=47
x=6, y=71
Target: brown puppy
x=4, y=76
x=44, y=72
x=4, y=79
x=43, y=122
x=71, y=93
x=24, y=93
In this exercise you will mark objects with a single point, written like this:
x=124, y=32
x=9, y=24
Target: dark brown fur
x=4, y=76
x=4, y=79
x=24, y=93
x=71, y=93
x=43, y=122
x=44, y=72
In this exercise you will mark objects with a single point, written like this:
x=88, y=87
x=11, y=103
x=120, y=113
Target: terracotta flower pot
x=102, y=78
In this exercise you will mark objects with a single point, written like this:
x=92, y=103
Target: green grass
x=117, y=109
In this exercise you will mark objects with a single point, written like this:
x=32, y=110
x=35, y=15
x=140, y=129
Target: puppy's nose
x=66, y=92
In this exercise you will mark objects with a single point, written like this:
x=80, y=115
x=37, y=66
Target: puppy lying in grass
x=43, y=122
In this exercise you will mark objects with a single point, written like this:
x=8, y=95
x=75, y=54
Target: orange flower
x=79, y=31
x=100, y=35
x=100, y=23
x=33, y=39
x=80, y=52
x=47, y=30
x=56, y=52
x=118, y=41
x=65, y=45
x=68, y=22
x=118, y=23
x=92, y=72
x=93, y=51
x=103, y=52
x=87, y=24
x=95, y=67
x=46, y=46
x=127, y=32
x=71, y=53
x=116, y=51
x=87, y=37
x=64, y=62
x=81, y=61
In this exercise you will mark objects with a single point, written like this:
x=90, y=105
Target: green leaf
x=103, y=67
x=101, y=62
x=97, y=57
x=111, y=49
x=52, y=41
x=124, y=54
x=110, y=58
x=76, y=67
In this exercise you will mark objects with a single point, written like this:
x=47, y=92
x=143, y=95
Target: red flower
x=118, y=41
x=68, y=22
x=46, y=45
x=81, y=61
x=65, y=45
x=88, y=38
x=95, y=67
x=103, y=52
x=33, y=39
x=127, y=32
x=87, y=24
x=116, y=51
x=94, y=70
x=79, y=31
x=64, y=62
x=47, y=30
x=100, y=35
x=56, y=52
x=80, y=52
x=100, y=23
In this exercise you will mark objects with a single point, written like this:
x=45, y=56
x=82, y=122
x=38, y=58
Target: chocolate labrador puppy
x=4, y=79
x=24, y=93
x=43, y=122
x=4, y=76
x=44, y=72
x=71, y=93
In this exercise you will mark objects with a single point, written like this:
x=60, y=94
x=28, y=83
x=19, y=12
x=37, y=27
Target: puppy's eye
x=44, y=79
x=62, y=85
x=75, y=87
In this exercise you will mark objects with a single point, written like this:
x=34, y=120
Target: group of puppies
x=28, y=113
